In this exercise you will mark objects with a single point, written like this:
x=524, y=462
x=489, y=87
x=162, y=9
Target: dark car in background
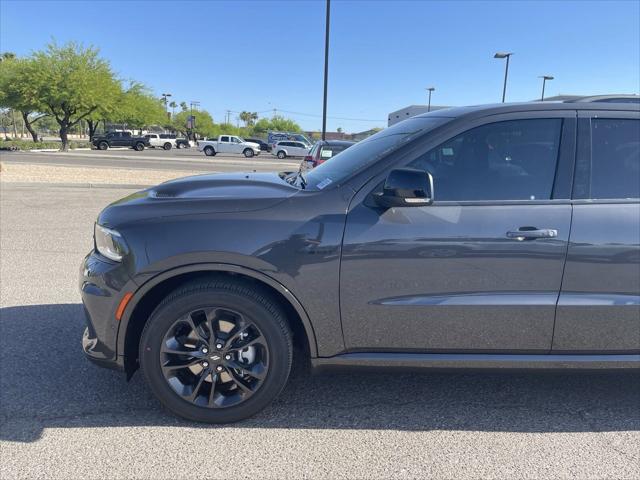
x=322, y=151
x=264, y=146
x=120, y=139
x=503, y=236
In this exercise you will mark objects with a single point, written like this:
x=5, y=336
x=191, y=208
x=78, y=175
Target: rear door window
x=615, y=158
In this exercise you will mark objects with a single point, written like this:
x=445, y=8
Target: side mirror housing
x=406, y=187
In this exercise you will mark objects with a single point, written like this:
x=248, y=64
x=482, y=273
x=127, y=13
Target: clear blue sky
x=243, y=55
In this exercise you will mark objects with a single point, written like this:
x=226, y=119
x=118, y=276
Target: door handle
x=531, y=233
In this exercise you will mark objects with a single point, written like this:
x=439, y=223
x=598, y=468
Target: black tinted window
x=512, y=160
x=615, y=158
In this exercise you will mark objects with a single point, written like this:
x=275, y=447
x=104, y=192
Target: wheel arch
x=151, y=293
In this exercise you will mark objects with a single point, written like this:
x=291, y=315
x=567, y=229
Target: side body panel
x=599, y=306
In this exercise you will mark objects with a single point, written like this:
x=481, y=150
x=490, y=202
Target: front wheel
x=209, y=151
x=167, y=146
x=281, y=155
x=248, y=153
x=216, y=351
x=103, y=146
x=139, y=147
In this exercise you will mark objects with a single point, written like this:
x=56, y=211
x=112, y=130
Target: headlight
x=109, y=243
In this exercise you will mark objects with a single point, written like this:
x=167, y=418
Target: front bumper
x=102, y=285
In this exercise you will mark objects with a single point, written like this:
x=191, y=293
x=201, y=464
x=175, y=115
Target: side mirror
x=406, y=187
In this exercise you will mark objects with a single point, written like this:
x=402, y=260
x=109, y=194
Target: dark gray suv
x=500, y=236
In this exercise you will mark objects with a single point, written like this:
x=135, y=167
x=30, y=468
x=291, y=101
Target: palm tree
x=173, y=106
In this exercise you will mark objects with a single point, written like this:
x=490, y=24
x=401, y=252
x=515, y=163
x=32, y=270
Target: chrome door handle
x=530, y=233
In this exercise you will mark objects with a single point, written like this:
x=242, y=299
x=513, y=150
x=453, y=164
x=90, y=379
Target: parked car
x=120, y=139
x=322, y=151
x=264, y=146
x=164, y=141
x=274, y=137
x=289, y=149
x=183, y=143
x=228, y=144
x=482, y=237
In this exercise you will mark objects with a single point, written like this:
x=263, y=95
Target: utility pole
x=326, y=69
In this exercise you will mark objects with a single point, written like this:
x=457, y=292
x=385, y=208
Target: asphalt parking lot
x=62, y=417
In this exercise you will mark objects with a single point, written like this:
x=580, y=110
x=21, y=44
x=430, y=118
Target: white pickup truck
x=160, y=140
x=228, y=144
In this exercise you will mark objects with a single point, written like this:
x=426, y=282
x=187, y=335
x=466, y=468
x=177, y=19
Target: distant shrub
x=30, y=145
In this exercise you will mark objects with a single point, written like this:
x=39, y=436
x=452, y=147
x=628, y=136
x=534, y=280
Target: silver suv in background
x=289, y=148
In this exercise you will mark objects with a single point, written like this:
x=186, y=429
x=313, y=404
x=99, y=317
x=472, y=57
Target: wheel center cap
x=215, y=358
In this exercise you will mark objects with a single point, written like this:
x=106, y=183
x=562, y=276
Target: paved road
x=61, y=417
x=153, y=159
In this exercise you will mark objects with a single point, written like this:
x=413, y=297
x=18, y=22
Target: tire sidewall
x=281, y=155
x=209, y=151
x=167, y=146
x=139, y=147
x=277, y=340
x=248, y=153
x=103, y=146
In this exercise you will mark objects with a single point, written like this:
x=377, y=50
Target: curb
x=74, y=185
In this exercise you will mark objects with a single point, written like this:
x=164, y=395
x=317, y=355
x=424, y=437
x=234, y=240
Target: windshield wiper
x=303, y=181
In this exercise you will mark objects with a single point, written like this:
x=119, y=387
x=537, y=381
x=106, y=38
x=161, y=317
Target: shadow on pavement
x=45, y=382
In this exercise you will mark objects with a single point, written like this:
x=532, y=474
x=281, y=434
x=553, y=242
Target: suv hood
x=200, y=194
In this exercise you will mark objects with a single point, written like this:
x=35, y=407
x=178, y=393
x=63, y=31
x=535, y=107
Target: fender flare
x=215, y=267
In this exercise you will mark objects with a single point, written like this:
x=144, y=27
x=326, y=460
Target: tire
x=172, y=322
x=281, y=155
x=248, y=153
x=139, y=147
x=103, y=146
x=167, y=146
x=209, y=151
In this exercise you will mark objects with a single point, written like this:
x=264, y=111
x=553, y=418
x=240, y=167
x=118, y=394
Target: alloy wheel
x=214, y=357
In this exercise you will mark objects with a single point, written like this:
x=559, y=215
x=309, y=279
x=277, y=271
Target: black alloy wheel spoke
x=212, y=392
x=194, y=394
x=173, y=367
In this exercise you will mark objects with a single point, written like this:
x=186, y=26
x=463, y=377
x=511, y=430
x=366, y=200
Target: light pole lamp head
x=430, y=89
x=546, y=77
x=503, y=54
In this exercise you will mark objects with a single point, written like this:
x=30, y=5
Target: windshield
x=368, y=151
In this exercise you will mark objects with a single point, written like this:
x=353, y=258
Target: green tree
x=248, y=118
x=137, y=107
x=204, y=126
x=173, y=106
x=72, y=83
x=277, y=123
x=183, y=106
x=8, y=85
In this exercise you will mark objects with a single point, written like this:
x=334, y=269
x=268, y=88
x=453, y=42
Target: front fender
x=150, y=283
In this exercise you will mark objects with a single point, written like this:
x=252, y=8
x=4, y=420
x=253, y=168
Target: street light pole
x=544, y=80
x=506, y=71
x=326, y=70
x=430, y=89
x=166, y=110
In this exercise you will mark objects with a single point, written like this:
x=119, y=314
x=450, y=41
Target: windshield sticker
x=324, y=183
x=326, y=153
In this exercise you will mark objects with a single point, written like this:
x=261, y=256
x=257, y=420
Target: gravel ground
x=58, y=174
x=63, y=418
